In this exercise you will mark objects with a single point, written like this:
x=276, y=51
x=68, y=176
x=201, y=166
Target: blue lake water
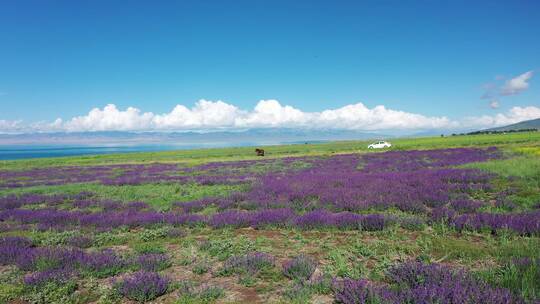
x=13, y=152
x=39, y=151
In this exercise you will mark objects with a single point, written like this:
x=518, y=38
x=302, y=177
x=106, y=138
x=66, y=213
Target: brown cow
x=260, y=152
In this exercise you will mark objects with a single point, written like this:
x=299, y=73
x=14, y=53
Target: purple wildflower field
x=366, y=194
x=345, y=192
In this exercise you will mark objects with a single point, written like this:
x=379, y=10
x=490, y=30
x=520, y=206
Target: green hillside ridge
x=527, y=124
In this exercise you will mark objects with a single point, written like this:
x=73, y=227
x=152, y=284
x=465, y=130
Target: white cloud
x=209, y=115
x=110, y=118
x=517, y=84
x=270, y=113
x=494, y=104
x=11, y=125
x=205, y=114
x=498, y=90
x=516, y=114
x=360, y=117
x=55, y=126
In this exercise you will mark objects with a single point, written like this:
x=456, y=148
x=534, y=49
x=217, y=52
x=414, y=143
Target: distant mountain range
x=527, y=124
x=215, y=138
x=224, y=138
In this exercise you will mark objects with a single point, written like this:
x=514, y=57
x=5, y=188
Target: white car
x=380, y=145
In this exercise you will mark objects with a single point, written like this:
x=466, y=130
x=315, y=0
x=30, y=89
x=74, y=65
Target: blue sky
x=60, y=59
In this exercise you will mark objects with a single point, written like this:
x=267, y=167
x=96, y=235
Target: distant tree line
x=496, y=132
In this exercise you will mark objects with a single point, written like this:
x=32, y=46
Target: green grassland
x=198, y=156
x=198, y=255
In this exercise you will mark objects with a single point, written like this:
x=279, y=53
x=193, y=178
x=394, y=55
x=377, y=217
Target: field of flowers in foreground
x=393, y=227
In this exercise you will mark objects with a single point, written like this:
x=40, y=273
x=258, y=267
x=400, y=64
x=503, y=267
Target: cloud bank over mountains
x=218, y=115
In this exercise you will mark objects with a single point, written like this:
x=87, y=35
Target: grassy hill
x=527, y=124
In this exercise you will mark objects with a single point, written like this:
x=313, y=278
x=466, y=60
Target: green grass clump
x=158, y=196
x=520, y=275
x=225, y=245
x=53, y=238
x=343, y=263
x=526, y=167
x=201, y=267
x=52, y=293
x=206, y=294
x=110, y=238
x=302, y=292
x=148, y=235
x=447, y=248
x=150, y=247
x=519, y=175
x=11, y=286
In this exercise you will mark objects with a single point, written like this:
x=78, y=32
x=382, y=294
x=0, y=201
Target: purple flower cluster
x=102, y=264
x=11, y=248
x=420, y=283
x=525, y=223
x=116, y=174
x=46, y=258
x=348, y=291
x=60, y=263
x=63, y=219
x=40, y=278
x=20, y=252
x=17, y=201
x=343, y=220
x=143, y=286
x=349, y=189
x=437, y=283
x=420, y=159
x=135, y=174
x=310, y=220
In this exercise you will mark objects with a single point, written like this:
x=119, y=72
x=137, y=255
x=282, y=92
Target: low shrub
x=80, y=241
x=148, y=235
x=53, y=293
x=145, y=248
x=201, y=267
x=153, y=262
x=299, y=268
x=250, y=263
x=191, y=294
x=412, y=223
